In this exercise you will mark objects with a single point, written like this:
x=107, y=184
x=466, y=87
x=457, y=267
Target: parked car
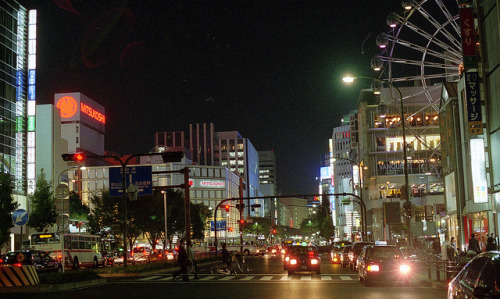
x=357, y=247
x=303, y=258
x=383, y=263
x=480, y=278
x=40, y=259
x=344, y=256
x=108, y=258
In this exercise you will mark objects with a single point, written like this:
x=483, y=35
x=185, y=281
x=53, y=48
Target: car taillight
x=293, y=262
x=283, y=251
x=404, y=269
x=18, y=264
x=273, y=251
x=350, y=255
x=335, y=259
x=257, y=251
x=373, y=268
x=287, y=258
x=314, y=261
x=159, y=255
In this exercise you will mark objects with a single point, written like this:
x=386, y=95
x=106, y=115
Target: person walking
x=182, y=261
x=473, y=244
x=190, y=254
x=490, y=243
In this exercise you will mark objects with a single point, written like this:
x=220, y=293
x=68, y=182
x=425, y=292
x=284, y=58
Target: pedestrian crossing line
x=343, y=277
x=227, y=277
x=325, y=277
x=165, y=278
x=267, y=278
x=305, y=278
x=149, y=278
x=248, y=278
x=286, y=278
x=206, y=278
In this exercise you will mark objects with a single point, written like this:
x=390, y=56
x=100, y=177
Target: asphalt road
x=266, y=280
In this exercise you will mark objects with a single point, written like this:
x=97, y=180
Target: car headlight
x=314, y=261
x=293, y=262
x=373, y=268
x=404, y=269
x=287, y=258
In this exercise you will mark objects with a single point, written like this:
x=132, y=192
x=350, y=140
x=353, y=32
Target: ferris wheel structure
x=421, y=49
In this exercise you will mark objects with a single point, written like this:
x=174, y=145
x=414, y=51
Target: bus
x=81, y=250
x=251, y=246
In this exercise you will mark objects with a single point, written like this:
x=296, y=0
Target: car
x=479, y=278
x=303, y=258
x=357, y=247
x=344, y=256
x=336, y=251
x=40, y=259
x=382, y=263
x=118, y=259
x=108, y=258
x=275, y=250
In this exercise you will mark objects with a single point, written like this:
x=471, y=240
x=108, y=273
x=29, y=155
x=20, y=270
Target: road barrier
x=446, y=268
x=13, y=276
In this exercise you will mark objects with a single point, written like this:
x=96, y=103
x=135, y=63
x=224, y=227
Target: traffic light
x=230, y=229
x=240, y=207
x=172, y=156
x=77, y=157
x=346, y=201
x=243, y=223
x=274, y=232
x=227, y=208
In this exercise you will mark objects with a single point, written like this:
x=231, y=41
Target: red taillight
x=18, y=264
x=311, y=253
x=159, y=255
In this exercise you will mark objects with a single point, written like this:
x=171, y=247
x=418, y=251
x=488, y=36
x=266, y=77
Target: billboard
x=478, y=170
x=473, y=100
x=76, y=106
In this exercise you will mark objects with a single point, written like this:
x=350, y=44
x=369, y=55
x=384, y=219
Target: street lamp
x=165, y=211
x=350, y=79
x=362, y=204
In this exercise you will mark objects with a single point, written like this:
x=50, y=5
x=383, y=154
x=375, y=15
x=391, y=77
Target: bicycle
x=238, y=268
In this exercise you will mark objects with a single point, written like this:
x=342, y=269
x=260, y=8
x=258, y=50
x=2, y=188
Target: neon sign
x=92, y=113
x=68, y=106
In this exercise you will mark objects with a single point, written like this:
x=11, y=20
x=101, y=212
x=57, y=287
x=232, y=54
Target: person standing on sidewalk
x=473, y=245
x=490, y=244
x=190, y=254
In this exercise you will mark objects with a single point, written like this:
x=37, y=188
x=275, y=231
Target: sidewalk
x=422, y=277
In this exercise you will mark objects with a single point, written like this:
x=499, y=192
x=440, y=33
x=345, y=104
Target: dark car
x=383, y=263
x=344, y=256
x=40, y=259
x=357, y=247
x=480, y=278
x=303, y=258
x=336, y=251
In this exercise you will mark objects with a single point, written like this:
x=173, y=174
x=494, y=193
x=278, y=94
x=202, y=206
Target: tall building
x=267, y=177
x=202, y=143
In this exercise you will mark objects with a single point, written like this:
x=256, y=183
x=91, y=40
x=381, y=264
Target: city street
x=267, y=279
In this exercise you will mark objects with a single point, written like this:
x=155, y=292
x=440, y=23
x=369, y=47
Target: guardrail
x=446, y=269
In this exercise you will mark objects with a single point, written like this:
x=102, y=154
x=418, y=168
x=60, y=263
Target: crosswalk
x=264, y=278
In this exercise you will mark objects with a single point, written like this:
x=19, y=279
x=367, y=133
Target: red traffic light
x=78, y=157
x=242, y=221
x=274, y=231
x=230, y=229
x=227, y=208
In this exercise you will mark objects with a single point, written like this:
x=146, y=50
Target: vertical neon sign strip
x=19, y=171
x=478, y=169
x=31, y=174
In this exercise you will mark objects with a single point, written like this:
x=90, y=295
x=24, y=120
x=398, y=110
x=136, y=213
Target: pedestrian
x=473, y=244
x=190, y=254
x=490, y=243
x=182, y=261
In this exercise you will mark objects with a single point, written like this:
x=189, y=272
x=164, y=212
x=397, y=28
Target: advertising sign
x=478, y=169
x=140, y=176
x=468, y=40
x=473, y=99
x=325, y=172
x=207, y=183
x=76, y=106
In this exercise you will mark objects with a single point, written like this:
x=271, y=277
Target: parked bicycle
x=237, y=267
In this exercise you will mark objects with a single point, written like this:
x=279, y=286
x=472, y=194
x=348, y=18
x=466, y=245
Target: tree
x=151, y=217
x=259, y=226
x=43, y=207
x=77, y=210
x=105, y=218
x=7, y=207
x=325, y=222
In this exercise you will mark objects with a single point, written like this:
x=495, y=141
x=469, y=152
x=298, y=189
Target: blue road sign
x=141, y=176
x=221, y=225
x=20, y=217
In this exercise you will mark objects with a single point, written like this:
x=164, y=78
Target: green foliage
x=7, y=207
x=43, y=208
x=259, y=226
x=77, y=210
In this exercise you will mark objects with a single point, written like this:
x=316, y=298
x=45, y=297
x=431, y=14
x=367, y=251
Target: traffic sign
x=141, y=176
x=20, y=217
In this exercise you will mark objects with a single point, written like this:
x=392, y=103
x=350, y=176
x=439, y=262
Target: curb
x=54, y=287
x=139, y=274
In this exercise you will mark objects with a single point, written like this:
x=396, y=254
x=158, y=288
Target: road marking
x=149, y=278
x=305, y=278
x=286, y=278
x=324, y=277
x=345, y=277
x=227, y=277
x=206, y=278
x=166, y=278
x=247, y=278
x=267, y=278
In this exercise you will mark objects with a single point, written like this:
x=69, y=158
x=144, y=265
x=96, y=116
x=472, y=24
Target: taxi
x=380, y=262
x=302, y=258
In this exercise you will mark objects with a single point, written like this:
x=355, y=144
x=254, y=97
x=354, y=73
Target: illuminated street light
x=350, y=79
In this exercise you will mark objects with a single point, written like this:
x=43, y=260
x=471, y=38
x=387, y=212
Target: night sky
x=268, y=69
